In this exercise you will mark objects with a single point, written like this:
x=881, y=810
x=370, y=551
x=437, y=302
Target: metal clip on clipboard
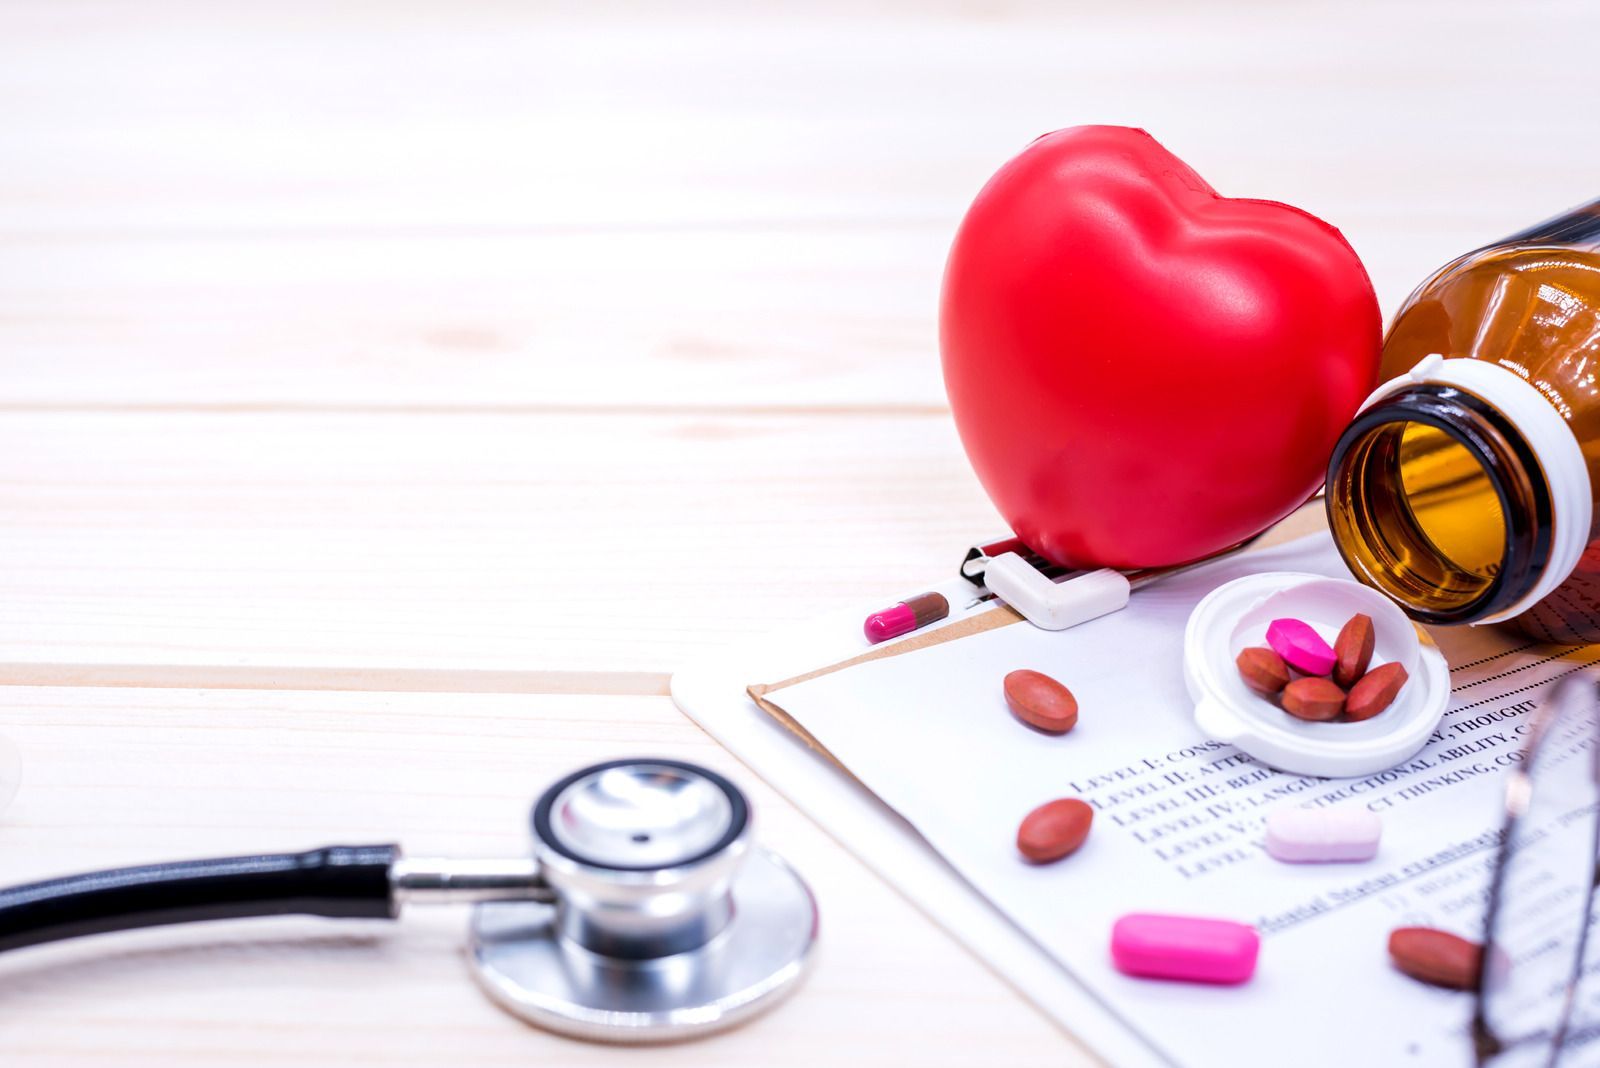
x=1052, y=597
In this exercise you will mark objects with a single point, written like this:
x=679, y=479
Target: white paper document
x=1178, y=823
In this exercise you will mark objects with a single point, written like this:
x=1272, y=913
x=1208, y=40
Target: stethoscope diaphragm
x=666, y=923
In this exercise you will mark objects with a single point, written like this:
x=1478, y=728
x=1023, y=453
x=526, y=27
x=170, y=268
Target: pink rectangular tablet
x=1190, y=948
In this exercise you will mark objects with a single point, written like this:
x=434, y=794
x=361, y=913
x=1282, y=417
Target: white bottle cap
x=1234, y=617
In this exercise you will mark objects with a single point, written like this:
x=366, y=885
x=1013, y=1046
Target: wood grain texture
x=392, y=394
x=120, y=776
x=498, y=203
x=497, y=542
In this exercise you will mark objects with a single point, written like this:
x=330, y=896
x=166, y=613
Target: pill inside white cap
x=1320, y=835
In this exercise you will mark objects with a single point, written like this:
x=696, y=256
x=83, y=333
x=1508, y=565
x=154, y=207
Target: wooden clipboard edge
x=994, y=618
x=792, y=725
x=998, y=616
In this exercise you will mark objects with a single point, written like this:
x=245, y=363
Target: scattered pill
x=1435, y=956
x=1375, y=691
x=1314, y=699
x=1054, y=830
x=1263, y=670
x=906, y=617
x=1190, y=948
x=1300, y=644
x=1352, y=650
x=1322, y=835
x=1040, y=701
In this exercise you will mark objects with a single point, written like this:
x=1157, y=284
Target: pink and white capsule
x=1322, y=835
x=1300, y=644
x=1194, y=949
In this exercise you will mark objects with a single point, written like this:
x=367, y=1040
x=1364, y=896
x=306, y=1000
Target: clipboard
x=712, y=692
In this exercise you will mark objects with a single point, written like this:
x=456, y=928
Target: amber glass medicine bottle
x=1465, y=488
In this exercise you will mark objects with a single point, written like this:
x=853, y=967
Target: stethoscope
x=644, y=912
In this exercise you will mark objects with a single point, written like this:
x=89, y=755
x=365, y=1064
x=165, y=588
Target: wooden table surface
x=392, y=395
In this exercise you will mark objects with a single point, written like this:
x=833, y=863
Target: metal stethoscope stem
x=643, y=913
x=462, y=881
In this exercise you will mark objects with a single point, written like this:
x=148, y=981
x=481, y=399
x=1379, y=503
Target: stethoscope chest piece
x=664, y=924
x=642, y=914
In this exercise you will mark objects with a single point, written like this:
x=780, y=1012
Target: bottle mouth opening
x=1435, y=499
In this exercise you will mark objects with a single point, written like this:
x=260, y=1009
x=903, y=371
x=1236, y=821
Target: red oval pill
x=1054, y=830
x=1313, y=698
x=1437, y=957
x=1263, y=670
x=1375, y=691
x=1353, y=650
x=1040, y=701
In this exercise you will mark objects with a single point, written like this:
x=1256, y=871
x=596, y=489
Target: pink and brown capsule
x=906, y=617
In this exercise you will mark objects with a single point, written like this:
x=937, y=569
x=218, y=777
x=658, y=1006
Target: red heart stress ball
x=1144, y=372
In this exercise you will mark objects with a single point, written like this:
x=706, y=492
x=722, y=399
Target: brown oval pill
x=1263, y=670
x=1054, y=829
x=1436, y=956
x=1040, y=701
x=1375, y=691
x=1313, y=698
x=1353, y=650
